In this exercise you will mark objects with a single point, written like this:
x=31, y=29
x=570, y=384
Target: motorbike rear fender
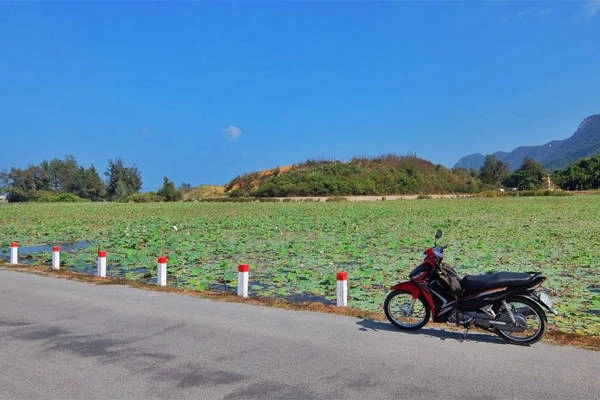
x=533, y=298
x=416, y=292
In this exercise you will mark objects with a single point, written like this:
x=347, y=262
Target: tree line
x=580, y=175
x=66, y=180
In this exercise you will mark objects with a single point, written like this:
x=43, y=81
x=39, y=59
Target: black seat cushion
x=475, y=283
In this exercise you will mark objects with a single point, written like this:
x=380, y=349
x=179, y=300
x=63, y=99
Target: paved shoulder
x=65, y=339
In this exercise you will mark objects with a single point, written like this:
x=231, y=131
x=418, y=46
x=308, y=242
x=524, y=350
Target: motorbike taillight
x=539, y=280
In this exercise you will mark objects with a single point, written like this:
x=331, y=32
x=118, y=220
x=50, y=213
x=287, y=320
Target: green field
x=294, y=249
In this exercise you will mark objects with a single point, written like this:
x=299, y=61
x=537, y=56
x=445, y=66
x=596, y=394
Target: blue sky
x=202, y=92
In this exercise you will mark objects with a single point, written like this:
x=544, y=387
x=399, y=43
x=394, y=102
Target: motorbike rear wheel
x=530, y=315
x=406, y=312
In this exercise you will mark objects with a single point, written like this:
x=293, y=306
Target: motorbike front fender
x=416, y=292
x=408, y=286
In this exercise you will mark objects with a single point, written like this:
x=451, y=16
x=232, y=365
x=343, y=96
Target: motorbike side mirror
x=438, y=234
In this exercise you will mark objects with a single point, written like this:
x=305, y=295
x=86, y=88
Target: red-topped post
x=342, y=288
x=161, y=271
x=56, y=258
x=242, y=287
x=14, y=253
x=102, y=263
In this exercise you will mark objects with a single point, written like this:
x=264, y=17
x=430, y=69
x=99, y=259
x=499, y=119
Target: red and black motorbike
x=506, y=303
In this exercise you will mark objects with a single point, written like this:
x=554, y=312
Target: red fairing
x=429, y=257
x=414, y=290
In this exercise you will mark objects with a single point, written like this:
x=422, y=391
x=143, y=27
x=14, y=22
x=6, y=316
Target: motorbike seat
x=475, y=283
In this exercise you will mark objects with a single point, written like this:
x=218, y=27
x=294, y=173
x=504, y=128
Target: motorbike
x=509, y=304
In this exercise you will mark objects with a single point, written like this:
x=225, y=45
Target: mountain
x=585, y=142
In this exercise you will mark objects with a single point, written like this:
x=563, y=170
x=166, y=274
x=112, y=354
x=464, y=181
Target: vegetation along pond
x=294, y=249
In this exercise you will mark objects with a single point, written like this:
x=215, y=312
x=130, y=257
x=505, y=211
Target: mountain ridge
x=585, y=142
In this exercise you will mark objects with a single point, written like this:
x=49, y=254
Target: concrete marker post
x=56, y=258
x=161, y=271
x=242, y=286
x=102, y=263
x=342, y=288
x=14, y=253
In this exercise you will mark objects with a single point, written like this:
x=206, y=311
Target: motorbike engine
x=488, y=320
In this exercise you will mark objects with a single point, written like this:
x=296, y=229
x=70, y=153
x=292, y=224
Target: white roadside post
x=242, y=287
x=161, y=271
x=14, y=253
x=56, y=258
x=102, y=263
x=342, y=289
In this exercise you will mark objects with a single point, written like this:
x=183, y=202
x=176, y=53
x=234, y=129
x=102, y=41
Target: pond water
x=26, y=253
x=29, y=255
x=80, y=260
x=260, y=285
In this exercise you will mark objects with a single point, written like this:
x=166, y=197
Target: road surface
x=62, y=339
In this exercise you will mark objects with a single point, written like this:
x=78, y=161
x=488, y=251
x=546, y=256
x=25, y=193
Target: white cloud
x=529, y=14
x=232, y=132
x=591, y=8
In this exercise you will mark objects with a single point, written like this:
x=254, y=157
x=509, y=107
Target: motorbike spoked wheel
x=527, y=313
x=406, y=312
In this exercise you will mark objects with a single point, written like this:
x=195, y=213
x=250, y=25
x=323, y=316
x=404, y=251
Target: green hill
x=385, y=175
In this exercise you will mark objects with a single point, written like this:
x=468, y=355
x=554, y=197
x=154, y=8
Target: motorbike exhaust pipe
x=504, y=325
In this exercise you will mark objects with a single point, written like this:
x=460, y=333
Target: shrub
x=149, y=197
x=51, y=197
x=337, y=199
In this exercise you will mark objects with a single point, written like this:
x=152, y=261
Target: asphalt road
x=61, y=339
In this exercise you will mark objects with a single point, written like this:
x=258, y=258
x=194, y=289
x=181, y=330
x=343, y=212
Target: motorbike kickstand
x=467, y=326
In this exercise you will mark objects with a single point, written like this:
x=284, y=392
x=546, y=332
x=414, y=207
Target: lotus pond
x=295, y=248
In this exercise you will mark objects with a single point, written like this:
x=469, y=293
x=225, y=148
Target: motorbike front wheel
x=527, y=314
x=406, y=312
